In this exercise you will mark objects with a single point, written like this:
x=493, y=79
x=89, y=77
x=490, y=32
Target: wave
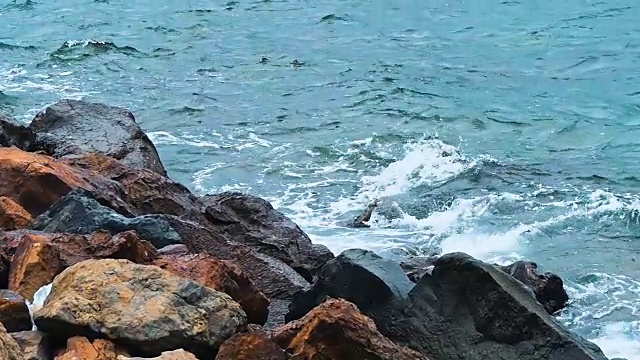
x=79, y=50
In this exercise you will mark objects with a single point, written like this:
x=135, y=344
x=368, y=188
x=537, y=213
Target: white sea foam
x=166, y=138
x=39, y=299
x=620, y=340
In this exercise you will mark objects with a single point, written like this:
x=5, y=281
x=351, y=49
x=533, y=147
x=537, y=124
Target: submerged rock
x=145, y=308
x=12, y=133
x=337, y=330
x=252, y=345
x=78, y=127
x=9, y=349
x=362, y=219
x=34, y=344
x=219, y=275
x=465, y=310
x=253, y=221
x=14, y=314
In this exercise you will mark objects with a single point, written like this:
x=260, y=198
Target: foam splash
x=620, y=340
x=39, y=299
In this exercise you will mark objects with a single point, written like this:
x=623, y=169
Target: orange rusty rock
x=253, y=345
x=12, y=215
x=337, y=330
x=35, y=263
x=219, y=275
x=81, y=348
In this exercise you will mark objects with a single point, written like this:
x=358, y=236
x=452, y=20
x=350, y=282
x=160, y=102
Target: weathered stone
x=78, y=127
x=548, y=288
x=79, y=213
x=176, y=249
x=12, y=133
x=278, y=309
x=4, y=266
x=219, y=275
x=253, y=221
x=9, y=349
x=34, y=344
x=42, y=256
x=465, y=310
x=417, y=266
x=145, y=308
x=337, y=330
x=167, y=355
x=80, y=348
x=14, y=314
x=12, y=215
x=253, y=345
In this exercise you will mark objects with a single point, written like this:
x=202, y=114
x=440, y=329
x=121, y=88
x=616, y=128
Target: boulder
x=4, y=266
x=34, y=344
x=36, y=181
x=9, y=349
x=338, y=330
x=14, y=314
x=12, y=215
x=144, y=308
x=253, y=221
x=42, y=256
x=79, y=213
x=465, y=310
x=548, y=288
x=219, y=275
x=417, y=266
x=78, y=127
x=79, y=347
x=167, y=355
x=12, y=133
x=252, y=345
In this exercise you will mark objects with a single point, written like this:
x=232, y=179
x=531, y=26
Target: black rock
x=75, y=127
x=548, y=288
x=12, y=133
x=465, y=310
x=253, y=221
x=79, y=213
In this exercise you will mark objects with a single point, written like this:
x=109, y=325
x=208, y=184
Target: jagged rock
x=277, y=310
x=365, y=216
x=417, y=266
x=145, y=308
x=4, y=267
x=81, y=348
x=34, y=344
x=79, y=213
x=12, y=133
x=42, y=256
x=252, y=345
x=78, y=127
x=12, y=215
x=337, y=330
x=253, y=221
x=9, y=349
x=36, y=181
x=14, y=314
x=167, y=355
x=219, y=275
x=548, y=288
x=465, y=310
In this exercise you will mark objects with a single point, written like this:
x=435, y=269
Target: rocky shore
x=133, y=265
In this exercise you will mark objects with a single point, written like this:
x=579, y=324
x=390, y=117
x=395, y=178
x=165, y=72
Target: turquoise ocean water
x=505, y=129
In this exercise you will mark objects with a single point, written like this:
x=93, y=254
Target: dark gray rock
x=361, y=220
x=34, y=344
x=548, y=288
x=12, y=133
x=253, y=221
x=465, y=310
x=76, y=127
x=417, y=266
x=79, y=213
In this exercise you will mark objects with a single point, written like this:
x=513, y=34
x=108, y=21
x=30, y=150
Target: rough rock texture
x=548, y=288
x=167, y=355
x=42, y=256
x=337, y=330
x=14, y=314
x=81, y=348
x=12, y=215
x=465, y=310
x=143, y=307
x=12, y=133
x=36, y=181
x=253, y=345
x=417, y=266
x=222, y=276
x=176, y=249
x=9, y=349
x=4, y=266
x=34, y=344
x=253, y=221
x=79, y=213
x=77, y=127
x=278, y=309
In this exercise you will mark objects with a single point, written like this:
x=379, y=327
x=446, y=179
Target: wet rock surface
x=12, y=133
x=77, y=127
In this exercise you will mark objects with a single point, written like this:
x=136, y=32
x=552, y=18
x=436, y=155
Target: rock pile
x=141, y=268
